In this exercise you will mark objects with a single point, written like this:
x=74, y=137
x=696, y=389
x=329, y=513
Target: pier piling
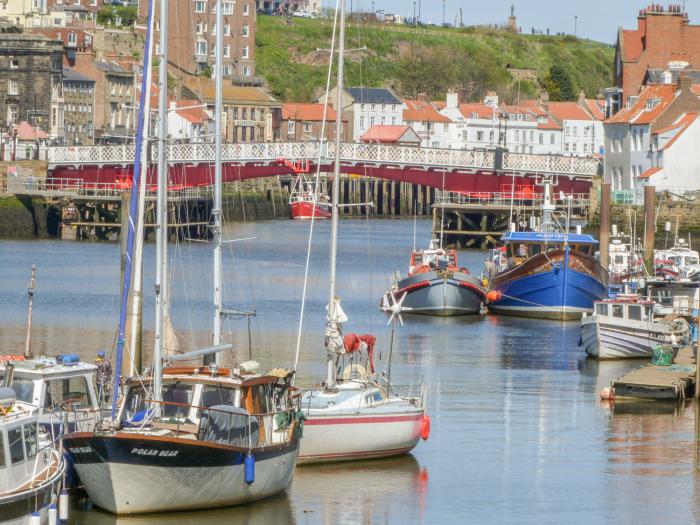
x=649, y=228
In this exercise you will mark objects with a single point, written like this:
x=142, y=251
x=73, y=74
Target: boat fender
x=53, y=514
x=485, y=282
x=68, y=359
x=63, y=506
x=493, y=296
x=607, y=394
x=35, y=518
x=249, y=467
x=425, y=427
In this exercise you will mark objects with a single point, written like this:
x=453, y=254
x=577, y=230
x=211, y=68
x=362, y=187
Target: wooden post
x=649, y=227
x=604, y=234
x=30, y=292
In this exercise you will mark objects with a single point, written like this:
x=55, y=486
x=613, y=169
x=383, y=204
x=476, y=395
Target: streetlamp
x=576, y=26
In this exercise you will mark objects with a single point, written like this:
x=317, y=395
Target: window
x=30, y=440
x=479, y=136
x=393, y=121
x=618, y=310
x=177, y=394
x=14, y=63
x=245, y=31
x=371, y=121
x=199, y=28
x=634, y=312
x=541, y=138
x=226, y=71
x=290, y=127
x=227, y=29
x=201, y=48
x=246, y=71
x=24, y=389
x=12, y=113
x=532, y=136
x=307, y=127
x=246, y=9
x=244, y=52
x=244, y=113
x=227, y=8
x=552, y=138
x=200, y=6
x=74, y=390
x=362, y=122
x=227, y=51
x=14, y=436
x=13, y=86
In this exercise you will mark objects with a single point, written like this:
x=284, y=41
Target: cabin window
x=74, y=390
x=619, y=259
x=601, y=309
x=618, y=310
x=634, y=312
x=2, y=450
x=255, y=399
x=535, y=249
x=24, y=389
x=178, y=394
x=30, y=440
x=216, y=395
x=134, y=407
x=14, y=436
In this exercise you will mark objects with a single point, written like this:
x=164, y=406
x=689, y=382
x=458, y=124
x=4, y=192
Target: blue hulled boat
x=546, y=274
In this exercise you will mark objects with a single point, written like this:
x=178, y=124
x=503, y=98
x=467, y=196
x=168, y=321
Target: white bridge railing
x=350, y=153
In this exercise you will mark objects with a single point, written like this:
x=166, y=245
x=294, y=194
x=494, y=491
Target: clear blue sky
x=597, y=19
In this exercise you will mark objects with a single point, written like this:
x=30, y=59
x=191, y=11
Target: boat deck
x=664, y=383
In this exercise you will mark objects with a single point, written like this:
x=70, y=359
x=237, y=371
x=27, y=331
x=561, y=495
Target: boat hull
x=559, y=286
x=305, y=210
x=432, y=293
x=625, y=339
x=128, y=474
x=338, y=437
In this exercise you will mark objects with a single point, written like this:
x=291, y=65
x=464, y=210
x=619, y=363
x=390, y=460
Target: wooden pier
x=661, y=383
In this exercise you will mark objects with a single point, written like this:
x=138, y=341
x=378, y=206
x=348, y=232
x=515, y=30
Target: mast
x=161, y=206
x=30, y=293
x=333, y=325
x=133, y=211
x=216, y=212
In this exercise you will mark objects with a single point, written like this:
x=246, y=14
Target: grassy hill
x=430, y=60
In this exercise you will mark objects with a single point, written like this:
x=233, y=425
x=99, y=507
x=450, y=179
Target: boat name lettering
x=81, y=450
x=154, y=452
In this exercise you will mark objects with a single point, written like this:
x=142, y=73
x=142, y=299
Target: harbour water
x=518, y=433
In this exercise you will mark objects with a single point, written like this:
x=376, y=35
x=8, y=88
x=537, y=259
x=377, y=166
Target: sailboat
x=545, y=273
x=187, y=438
x=353, y=414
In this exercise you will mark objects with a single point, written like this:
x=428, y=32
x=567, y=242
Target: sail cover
x=335, y=345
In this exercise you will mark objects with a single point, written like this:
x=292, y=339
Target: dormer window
x=652, y=103
x=475, y=115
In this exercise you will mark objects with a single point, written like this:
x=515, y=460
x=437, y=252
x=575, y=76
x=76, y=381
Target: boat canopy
x=228, y=425
x=548, y=237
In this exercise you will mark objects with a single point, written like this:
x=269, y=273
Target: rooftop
x=390, y=134
x=72, y=75
x=307, y=112
x=372, y=95
x=658, y=97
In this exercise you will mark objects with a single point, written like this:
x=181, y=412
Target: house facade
x=304, y=122
x=79, y=108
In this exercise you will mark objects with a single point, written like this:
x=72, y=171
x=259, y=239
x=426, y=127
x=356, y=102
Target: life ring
x=425, y=427
x=354, y=371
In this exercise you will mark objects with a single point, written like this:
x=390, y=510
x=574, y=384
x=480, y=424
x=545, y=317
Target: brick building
x=303, y=122
x=249, y=113
x=30, y=81
x=663, y=35
x=114, y=115
x=192, y=36
x=79, y=108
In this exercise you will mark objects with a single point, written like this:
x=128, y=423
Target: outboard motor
x=9, y=375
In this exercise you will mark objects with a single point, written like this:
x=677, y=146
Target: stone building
x=114, y=115
x=192, y=36
x=79, y=108
x=663, y=35
x=30, y=81
x=249, y=113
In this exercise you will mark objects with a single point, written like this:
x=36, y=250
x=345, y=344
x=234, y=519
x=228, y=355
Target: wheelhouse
x=622, y=309
x=520, y=246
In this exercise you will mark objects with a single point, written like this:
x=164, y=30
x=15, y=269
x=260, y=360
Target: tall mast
x=30, y=293
x=133, y=211
x=161, y=206
x=336, y=188
x=216, y=212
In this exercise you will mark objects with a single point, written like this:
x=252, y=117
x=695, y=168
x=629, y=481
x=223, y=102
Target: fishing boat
x=354, y=414
x=436, y=285
x=676, y=262
x=545, y=274
x=306, y=201
x=625, y=327
x=187, y=438
x=31, y=466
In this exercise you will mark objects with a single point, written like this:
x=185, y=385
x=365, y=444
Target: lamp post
x=576, y=26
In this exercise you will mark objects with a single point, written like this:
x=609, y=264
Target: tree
x=560, y=84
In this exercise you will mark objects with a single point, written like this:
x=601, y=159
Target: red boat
x=305, y=207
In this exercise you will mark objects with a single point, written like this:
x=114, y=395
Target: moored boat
x=436, y=285
x=625, y=327
x=308, y=205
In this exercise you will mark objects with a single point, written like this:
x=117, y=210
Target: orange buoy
x=492, y=296
x=425, y=427
x=607, y=394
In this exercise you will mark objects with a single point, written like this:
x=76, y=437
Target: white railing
x=349, y=153
x=518, y=198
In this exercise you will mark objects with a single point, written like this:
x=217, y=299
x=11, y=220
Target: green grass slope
x=428, y=60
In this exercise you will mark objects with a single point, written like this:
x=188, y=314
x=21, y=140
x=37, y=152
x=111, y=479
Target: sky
x=597, y=19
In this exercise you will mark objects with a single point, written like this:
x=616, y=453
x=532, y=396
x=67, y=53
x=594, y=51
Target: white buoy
x=35, y=518
x=53, y=514
x=63, y=503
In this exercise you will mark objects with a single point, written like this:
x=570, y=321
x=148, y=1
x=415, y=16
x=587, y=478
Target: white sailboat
x=190, y=438
x=352, y=415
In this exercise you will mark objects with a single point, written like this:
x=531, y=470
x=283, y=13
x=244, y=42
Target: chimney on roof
x=666, y=77
x=684, y=83
x=544, y=97
x=452, y=100
x=172, y=105
x=423, y=97
x=491, y=99
x=582, y=97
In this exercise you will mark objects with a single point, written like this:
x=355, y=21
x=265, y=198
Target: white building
x=367, y=107
x=190, y=121
x=433, y=128
x=583, y=133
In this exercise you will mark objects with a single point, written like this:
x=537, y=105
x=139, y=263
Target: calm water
x=518, y=433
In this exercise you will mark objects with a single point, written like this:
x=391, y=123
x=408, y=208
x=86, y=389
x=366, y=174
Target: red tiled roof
x=385, y=134
x=550, y=124
x=683, y=122
x=648, y=173
x=638, y=114
x=26, y=131
x=192, y=111
x=307, y=112
x=481, y=110
x=568, y=111
x=422, y=111
x=596, y=108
